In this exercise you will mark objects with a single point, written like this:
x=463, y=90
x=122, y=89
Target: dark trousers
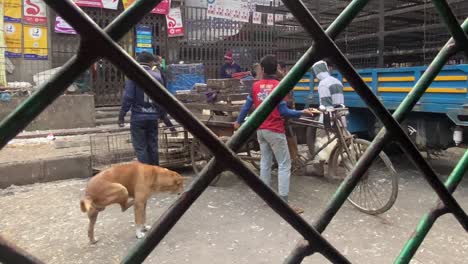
x=145, y=141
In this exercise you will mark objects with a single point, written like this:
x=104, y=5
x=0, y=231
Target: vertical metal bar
x=452, y=24
x=381, y=36
x=374, y=104
x=429, y=219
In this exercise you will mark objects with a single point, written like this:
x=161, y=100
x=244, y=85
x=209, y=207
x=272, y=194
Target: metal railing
x=97, y=43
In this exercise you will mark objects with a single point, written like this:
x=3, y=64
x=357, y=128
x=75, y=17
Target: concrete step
x=45, y=170
x=112, y=128
x=108, y=108
x=110, y=120
x=106, y=114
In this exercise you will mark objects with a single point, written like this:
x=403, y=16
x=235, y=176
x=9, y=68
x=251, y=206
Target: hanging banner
x=35, y=43
x=13, y=38
x=12, y=10
x=106, y=4
x=279, y=17
x=161, y=9
x=175, y=26
x=256, y=17
x=62, y=27
x=234, y=10
x=35, y=12
x=244, y=15
x=144, y=39
x=270, y=19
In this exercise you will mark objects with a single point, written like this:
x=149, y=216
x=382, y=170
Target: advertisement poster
x=279, y=17
x=106, y=4
x=270, y=19
x=62, y=27
x=13, y=33
x=162, y=8
x=175, y=26
x=234, y=10
x=256, y=17
x=110, y=4
x=12, y=10
x=35, y=43
x=35, y=12
x=144, y=39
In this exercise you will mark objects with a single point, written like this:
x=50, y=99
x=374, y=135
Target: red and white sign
x=107, y=4
x=163, y=8
x=175, y=26
x=89, y=3
x=61, y=26
x=257, y=18
x=35, y=12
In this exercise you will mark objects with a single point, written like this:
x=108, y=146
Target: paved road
x=229, y=224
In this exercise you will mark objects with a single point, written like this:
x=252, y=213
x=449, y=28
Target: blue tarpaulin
x=184, y=76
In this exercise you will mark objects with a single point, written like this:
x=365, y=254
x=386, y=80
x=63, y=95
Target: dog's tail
x=85, y=204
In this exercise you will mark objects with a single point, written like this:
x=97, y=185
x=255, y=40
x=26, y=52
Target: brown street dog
x=120, y=183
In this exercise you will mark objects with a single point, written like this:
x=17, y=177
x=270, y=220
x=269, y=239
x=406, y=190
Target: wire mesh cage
x=174, y=147
x=108, y=149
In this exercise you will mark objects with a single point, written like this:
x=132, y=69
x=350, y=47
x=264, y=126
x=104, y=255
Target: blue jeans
x=272, y=143
x=145, y=141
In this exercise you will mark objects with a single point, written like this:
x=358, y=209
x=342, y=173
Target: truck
x=437, y=122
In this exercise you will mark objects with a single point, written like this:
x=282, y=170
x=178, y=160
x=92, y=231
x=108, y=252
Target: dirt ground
x=230, y=224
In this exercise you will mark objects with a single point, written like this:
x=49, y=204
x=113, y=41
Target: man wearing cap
x=229, y=66
x=145, y=114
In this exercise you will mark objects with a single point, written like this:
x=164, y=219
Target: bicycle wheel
x=377, y=190
x=200, y=156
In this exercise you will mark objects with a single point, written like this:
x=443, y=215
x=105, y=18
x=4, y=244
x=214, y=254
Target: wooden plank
x=216, y=118
x=220, y=97
x=215, y=107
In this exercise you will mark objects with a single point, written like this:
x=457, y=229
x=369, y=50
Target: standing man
x=257, y=72
x=282, y=70
x=229, y=67
x=271, y=133
x=159, y=69
x=145, y=115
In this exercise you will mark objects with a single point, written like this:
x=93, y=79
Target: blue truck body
x=443, y=107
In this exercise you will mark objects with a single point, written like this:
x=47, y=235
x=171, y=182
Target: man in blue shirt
x=145, y=114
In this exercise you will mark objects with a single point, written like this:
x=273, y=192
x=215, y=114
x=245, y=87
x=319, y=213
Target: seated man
x=330, y=89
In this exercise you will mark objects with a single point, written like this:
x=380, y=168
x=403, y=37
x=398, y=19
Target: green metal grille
x=97, y=43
